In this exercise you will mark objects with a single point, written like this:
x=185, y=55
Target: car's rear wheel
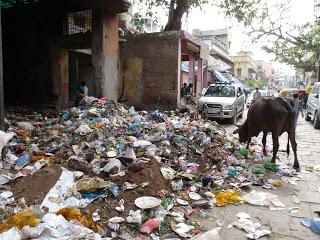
x=316, y=121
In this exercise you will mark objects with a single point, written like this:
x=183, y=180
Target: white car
x=223, y=101
x=264, y=93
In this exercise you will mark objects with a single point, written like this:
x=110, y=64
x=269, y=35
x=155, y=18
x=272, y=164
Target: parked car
x=264, y=93
x=223, y=101
x=313, y=106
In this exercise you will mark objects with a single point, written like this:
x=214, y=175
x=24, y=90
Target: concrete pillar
x=199, y=76
x=191, y=68
x=60, y=75
x=179, y=78
x=105, y=54
x=1, y=81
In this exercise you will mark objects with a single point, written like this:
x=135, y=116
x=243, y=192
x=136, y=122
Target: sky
x=211, y=18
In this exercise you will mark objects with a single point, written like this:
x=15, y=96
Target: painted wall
x=153, y=61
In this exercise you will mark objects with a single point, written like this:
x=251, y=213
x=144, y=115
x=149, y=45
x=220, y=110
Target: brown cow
x=273, y=115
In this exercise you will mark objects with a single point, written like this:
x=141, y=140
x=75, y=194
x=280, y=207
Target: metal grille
x=78, y=22
x=216, y=106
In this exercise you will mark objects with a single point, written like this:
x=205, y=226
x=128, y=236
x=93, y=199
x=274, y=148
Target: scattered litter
x=150, y=225
x=129, y=173
x=147, y=202
x=227, y=197
x=209, y=235
x=254, y=230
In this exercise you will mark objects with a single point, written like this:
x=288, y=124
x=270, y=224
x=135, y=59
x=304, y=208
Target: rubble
x=112, y=171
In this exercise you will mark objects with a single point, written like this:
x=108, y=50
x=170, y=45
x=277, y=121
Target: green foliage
x=254, y=84
x=243, y=10
x=295, y=45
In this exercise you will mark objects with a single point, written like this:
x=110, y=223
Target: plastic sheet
x=313, y=224
x=26, y=217
x=70, y=213
x=227, y=197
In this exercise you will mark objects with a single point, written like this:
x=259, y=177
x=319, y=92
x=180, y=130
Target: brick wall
x=159, y=74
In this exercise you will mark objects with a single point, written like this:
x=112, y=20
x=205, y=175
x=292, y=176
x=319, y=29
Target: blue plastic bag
x=312, y=223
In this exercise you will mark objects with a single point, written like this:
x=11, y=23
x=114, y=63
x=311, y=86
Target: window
x=78, y=22
x=315, y=89
x=220, y=91
x=239, y=72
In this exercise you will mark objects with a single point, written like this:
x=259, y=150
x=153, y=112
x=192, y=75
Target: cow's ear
x=236, y=131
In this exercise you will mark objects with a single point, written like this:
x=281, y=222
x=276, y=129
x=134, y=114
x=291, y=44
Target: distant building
x=285, y=77
x=244, y=67
x=126, y=23
x=265, y=72
x=219, y=42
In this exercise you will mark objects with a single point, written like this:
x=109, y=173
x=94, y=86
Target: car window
x=315, y=89
x=220, y=91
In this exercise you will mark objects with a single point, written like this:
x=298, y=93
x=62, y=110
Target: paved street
x=283, y=224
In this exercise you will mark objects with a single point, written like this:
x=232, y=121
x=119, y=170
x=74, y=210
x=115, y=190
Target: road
x=283, y=224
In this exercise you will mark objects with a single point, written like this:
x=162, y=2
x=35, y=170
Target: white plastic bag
x=4, y=139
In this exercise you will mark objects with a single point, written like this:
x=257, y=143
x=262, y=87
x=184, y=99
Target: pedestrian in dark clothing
x=296, y=104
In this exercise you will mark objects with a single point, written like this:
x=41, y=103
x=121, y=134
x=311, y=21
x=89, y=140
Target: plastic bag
x=25, y=126
x=134, y=217
x=313, y=224
x=84, y=129
x=70, y=213
x=87, y=185
x=22, y=161
x=4, y=139
x=227, y=197
x=244, y=152
x=26, y=217
x=150, y=225
x=213, y=234
x=270, y=166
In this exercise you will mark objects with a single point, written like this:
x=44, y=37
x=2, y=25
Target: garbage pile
x=105, y=171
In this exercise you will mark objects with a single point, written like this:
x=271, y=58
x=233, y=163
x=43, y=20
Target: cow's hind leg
x=249, y=141
x=275, y=140
x=294, y=148
x=264, y=142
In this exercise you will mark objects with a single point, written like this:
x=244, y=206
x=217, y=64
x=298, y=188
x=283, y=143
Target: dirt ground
x=149, y=172
x=34, y=188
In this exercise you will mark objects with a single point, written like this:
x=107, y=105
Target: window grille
x=78, y=22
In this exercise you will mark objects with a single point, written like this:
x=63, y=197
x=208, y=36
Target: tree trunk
x=176, y=14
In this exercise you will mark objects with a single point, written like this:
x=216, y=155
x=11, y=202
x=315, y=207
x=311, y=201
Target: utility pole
x=1, y=81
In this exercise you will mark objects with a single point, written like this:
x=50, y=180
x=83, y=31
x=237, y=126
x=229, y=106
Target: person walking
x=296, y=104
x=185, y=93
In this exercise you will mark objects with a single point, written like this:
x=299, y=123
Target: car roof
x=225, y=84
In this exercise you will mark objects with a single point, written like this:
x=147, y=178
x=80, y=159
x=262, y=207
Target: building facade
x=244, y=66
x=265, y=72
x=219, y=42
x=154, y=67
x=49, y=47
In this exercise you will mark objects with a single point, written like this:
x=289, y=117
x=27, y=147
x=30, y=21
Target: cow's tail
x=288, y=145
